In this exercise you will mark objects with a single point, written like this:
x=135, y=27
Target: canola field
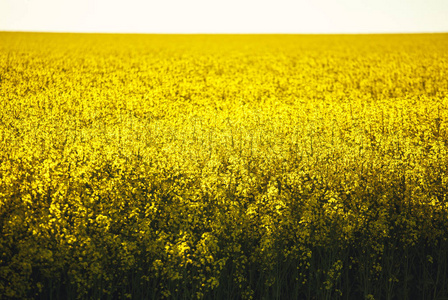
x=223, y=166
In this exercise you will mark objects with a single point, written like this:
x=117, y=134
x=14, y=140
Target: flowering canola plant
x=223, y=166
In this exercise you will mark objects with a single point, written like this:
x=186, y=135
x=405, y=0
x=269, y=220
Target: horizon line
x=229, y=33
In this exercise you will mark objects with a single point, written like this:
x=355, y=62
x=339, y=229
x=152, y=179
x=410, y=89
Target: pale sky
x=225, y=16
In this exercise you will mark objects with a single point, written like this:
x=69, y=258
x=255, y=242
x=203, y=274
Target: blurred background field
x=223, y=166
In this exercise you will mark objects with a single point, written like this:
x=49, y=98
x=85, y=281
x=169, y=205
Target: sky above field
x=230, y=16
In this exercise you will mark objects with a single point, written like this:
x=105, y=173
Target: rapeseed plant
x=148, y=167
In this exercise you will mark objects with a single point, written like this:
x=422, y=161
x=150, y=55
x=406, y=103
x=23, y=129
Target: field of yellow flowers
x=223, y=166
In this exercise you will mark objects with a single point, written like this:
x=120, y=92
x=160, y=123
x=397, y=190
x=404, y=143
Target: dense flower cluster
x=223, y=166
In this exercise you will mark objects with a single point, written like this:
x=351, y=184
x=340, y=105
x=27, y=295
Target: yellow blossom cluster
x=223, y=166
